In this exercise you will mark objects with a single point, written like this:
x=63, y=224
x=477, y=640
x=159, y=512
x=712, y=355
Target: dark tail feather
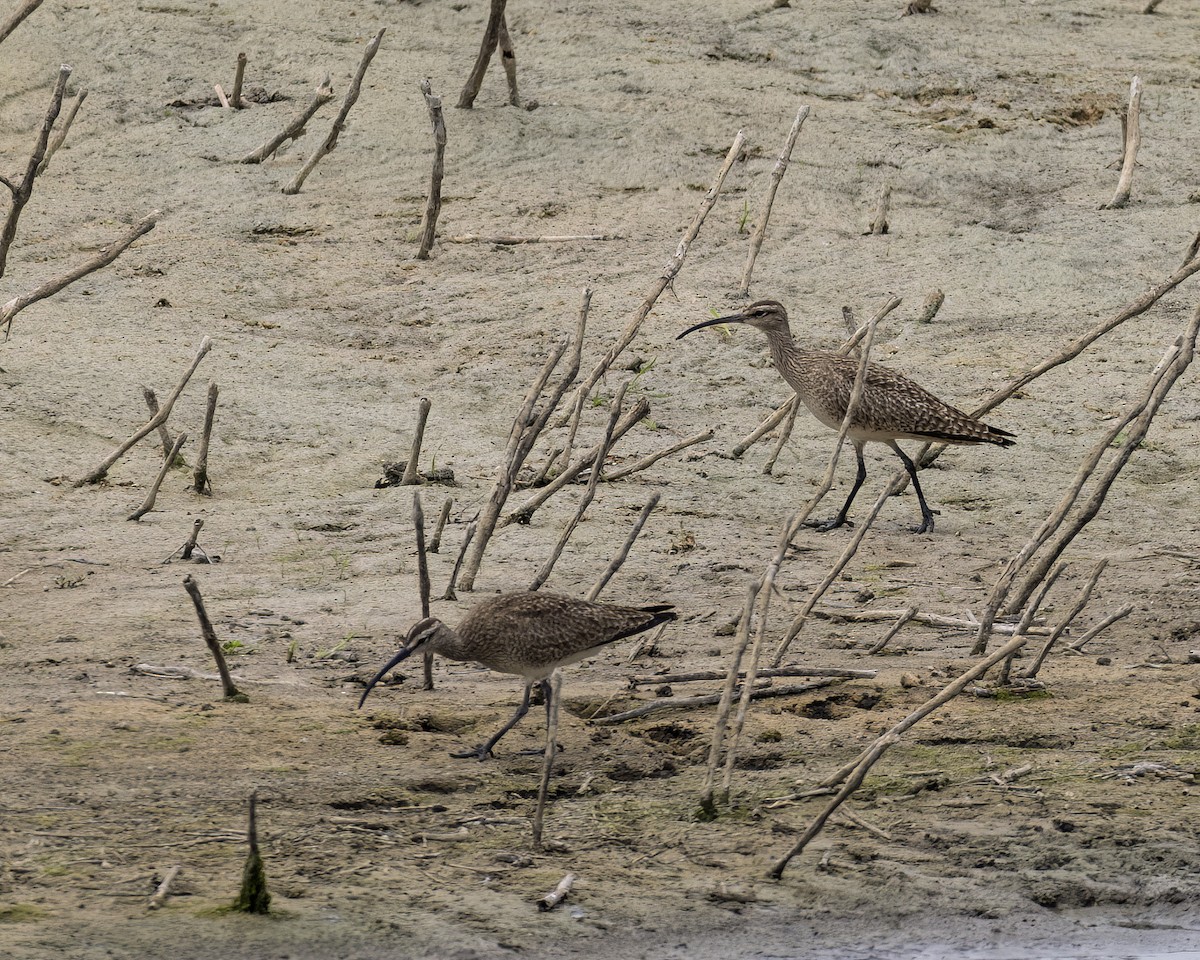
x=1001, y=438
x=659, y=613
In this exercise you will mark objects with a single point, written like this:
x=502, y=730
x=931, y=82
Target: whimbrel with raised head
x=892, y=406
x=529, y=635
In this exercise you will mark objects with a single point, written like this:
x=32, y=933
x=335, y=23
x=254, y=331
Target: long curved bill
x=404, y=654
x=732, y=318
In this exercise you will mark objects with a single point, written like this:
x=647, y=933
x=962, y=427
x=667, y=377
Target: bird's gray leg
x=926, y=514
x=484, y=750
x=858, y=482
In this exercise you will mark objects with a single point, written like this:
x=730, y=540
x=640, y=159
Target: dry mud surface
x=997, y=125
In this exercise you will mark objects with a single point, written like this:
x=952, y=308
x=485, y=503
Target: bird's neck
x=787, y=357
x=447, y=643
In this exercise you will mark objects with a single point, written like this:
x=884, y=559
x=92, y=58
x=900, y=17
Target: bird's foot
x=824, y=526
x=481, y=752
x=926, y=525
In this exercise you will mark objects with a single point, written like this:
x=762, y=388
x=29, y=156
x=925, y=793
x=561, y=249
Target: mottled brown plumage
x=529, y=635
x=892, y=407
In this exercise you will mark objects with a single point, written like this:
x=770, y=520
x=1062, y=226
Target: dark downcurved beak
x=404, y=654
x=732, y=318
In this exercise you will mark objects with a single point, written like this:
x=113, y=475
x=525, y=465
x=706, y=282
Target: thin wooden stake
x=1133, y=140
x=653, y=458
x=879, y=225
x=1099, y=628
x=210, y=638
x=887, y=638
x=152, y=494
x=491, y=36
x=164, y=435
x=411, y=475
x=433, y=202
x=339, y=122
x=200, y=479
x=435, y=542
x=63, y=129
x=1084, y=596
x=24, y=10
x=760, y=228
x=450, y=593
x=235, y=98
x=422, y=580
x=615, y=563
x=295, y=129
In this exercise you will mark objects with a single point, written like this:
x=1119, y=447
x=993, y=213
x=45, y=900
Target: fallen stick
x=106, y=256
x=1133, y=141
x=164, y=888
x=557, y=895
x=887, y=638
x=669, y=272
x=21, y=192
x=1084, y=596
x=422, y=581
x=161, y=417
x=222, y=96
x=879, y=225
x=339, y=122
x=548, y=757
x=491, y=36
x=510, y=240
x=682, y=703
x=200, y=480
x=435, y=542
x=1099, y=628
x=411, y=476
x=239, y=74
x=615, y=563
x=525, y=512
x=698, y=675
x=24, y=10
x=589, y=491
x=164, y=435
x=765, y=427
x=295, y=129
x=214, y=645
x=760, y=228
x=854, y=773
x=433, y=202
x=152, y=494
x=653, y=458
x=969, y=622
x=63, y=129
x=785, y=434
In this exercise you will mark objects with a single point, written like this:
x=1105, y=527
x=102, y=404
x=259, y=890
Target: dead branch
x=200, y=480
x=548, y=759
x=161, y=417
x=435, y=542
x=525, y=512
x=615, y=563
x=1099, y=628
x=670, y=271
x=519, y=443
x=339, y=122
x=769, y=424
x=491, y=36
x=295, y=129
x=762, y=692
x=21, y=192
x=433, y=202
x=411, y=475
x=589, y=492
x=462, y=553
x=887, y=638
x=653, y=458
x=564, y=455
x=63, y=129
x=24, y=10
x=222, y=96
x=931, y=306
x=879, y=225
x=508, y=58
x=969, y=622
x=1028, y=614
x=164, y=887
x=190, y=545
x=511, y=240
x=1084, y=596
x=422, y=580
x=558, y=894
x=765, y=672
x=164, y=435
x=1133, y=140
x=785, y=434
x=253, y=896
x=239, y=74
x=152, y=494
x=210, y=638
x=760, y=228
x=106, y=256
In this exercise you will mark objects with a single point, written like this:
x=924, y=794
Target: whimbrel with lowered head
x=892, y=407
x=529, y=635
